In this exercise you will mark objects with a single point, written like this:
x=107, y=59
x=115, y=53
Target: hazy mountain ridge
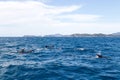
x=80, y=35
x=85, y=35
x=117, y=33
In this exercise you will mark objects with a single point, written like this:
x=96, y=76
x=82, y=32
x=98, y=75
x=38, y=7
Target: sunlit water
x=67, y=59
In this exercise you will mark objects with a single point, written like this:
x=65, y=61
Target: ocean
x=59, y=58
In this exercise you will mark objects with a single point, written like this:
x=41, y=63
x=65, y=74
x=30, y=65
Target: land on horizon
x=78, y=35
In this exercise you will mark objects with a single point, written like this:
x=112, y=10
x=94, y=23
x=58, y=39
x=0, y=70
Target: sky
x=44, y=17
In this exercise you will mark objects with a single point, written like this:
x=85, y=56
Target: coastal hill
x=54, y=35
x=80, y=35
x=86, y=35
x=116, y=34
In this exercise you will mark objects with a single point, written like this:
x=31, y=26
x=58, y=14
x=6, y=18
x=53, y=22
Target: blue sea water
x=64, y=58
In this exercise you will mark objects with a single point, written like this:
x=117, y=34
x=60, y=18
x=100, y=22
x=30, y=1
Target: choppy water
x=67, y=59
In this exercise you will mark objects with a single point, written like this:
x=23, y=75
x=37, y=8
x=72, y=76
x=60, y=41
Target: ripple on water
x=70, y=59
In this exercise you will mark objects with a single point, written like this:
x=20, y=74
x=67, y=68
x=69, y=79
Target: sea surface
x=69, y=58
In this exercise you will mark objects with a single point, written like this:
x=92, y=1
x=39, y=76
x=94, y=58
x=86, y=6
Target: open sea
x=69, y=58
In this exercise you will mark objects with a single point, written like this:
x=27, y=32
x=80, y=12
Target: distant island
x=79, y=35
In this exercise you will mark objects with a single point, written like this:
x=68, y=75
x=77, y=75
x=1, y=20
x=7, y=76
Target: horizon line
x=57, y=34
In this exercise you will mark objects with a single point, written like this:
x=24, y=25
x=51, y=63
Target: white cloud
x=80, y=17
x=20, y=12
x=59, y=10
x=33, y=17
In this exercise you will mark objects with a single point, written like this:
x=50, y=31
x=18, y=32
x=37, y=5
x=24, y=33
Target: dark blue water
x=63, y=59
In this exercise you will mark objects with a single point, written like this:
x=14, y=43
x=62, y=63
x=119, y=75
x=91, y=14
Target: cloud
x=21, y=12
x=16, y=17
x=31, y=11
x=80, y=17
